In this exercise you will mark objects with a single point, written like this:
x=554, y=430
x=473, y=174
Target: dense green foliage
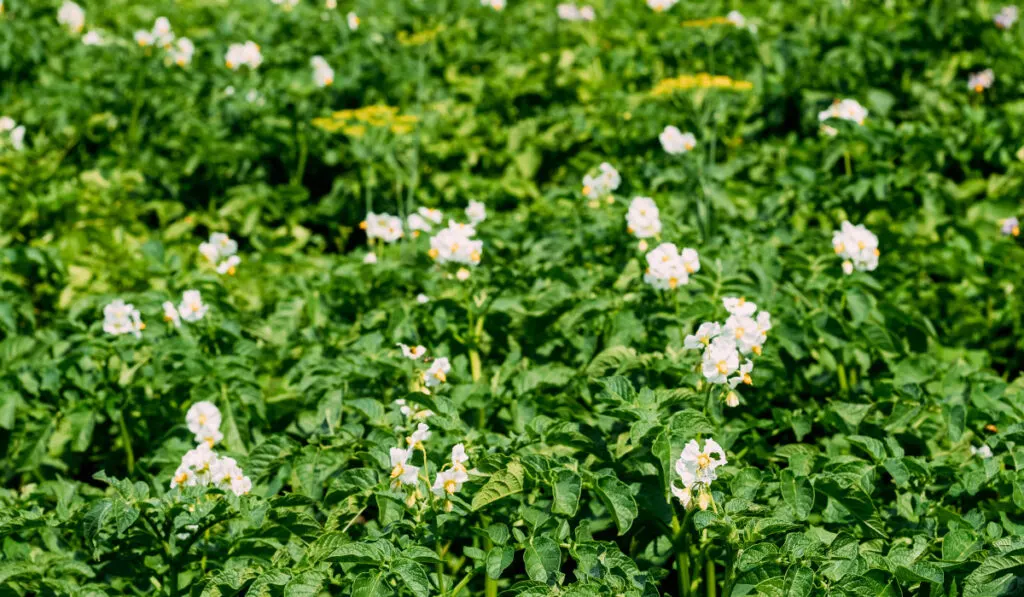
x=852, y=465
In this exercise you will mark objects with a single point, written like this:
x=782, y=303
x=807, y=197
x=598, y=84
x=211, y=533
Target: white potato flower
x=462, y=275
x=247, y=54
x=323, y=74
x=171, y=314
x=1010, y=227
x=736, y=18
x=6, y=124
x=1006, y=17
x=408, y=411
x=495, y=4
x=417, y=224
x=476, y=212
x=143, y=38
x=696, y=467
x=181, y=53
x=739, y=306
x=667, y=268
x=204, y=419
x=847, y=109
x=412, y=352
x=643, y=219
x=419, y=436
x=675, y=142
x=602, y=184
x=422, y=298
x=385, y=227
x=661, y=5
x=707, y=332
x=191, y=307
x=122, y=318
x=93, y=38
x=456, y=245
x=196, y=467
x=402, y=472
x=980, y=81
x=572, y=12
x=352, y=19
x=437, y=373
x=721, y=359
x=743, y=330
x=15, y=133
x=984, y=452
x=857, y=245
x=229, y=266
x=459, y=457
x=732, y=400
x=743, y=375
x=370, y=258
x=71, y=16
x=226, y=475
x=431, y=214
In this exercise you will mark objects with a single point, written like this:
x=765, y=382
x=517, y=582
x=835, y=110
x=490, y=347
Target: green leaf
x=501, y=484
x=799, y=582
x=542, y=558
x=305, y=584
x=566, y=492
x=797, y=492
x=499, y=558
x=994, y=575
x=413, y=576
x=371, y=584
x=619, y=500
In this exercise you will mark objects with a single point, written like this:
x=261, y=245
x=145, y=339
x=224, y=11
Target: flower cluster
x=603, y=184
x=642, y=219
x=699, y=81
x=423, y=218
x=323, y=74
x=221, y=251
x=668, y=269
x=71, y=16
x=570, y=12
x=191, y=309
x=857, y=246
x=696, y=470
x=661, y=5
x=201, y=466
x=725, y=346
x=247, y=54
x=122, y=318
x=161, y=35
x=847, y=109
x=1006, y=17
x=15, y=133
x=1010, y=227
x=980, y=81
x=455, y=244
x=385, y=227
x=447, y=482
x=674, y=141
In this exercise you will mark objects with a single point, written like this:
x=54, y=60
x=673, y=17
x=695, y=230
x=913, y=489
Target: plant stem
x=846, y=161
x=682, y=547
x=462, y=583
x=440, y=570
x=841, y=374
x=127, y=439
x=709, y=569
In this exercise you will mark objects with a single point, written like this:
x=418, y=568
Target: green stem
x=440, y=570
x=462, y=583
x=300, y=168
x=846, y=161
x=709, y=569
x=127, y=439
x=841, y=374
x=682, y=546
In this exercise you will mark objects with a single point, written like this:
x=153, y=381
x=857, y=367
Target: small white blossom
x=71, y=16
x=370, y=258
x=732, y=400
x=192, y=308
x=736, y=18
x=422, y=298
x=171, y=314
x=331, y=4
x=1010, y=227
x=122, y=318
x=352, y=19
x=739, y=306
x=229, y=266
x=385, y=227
x=419, y=436
x=93, y=38
x=643, y=219
x=602, y=184
x=431, y=214
x=412, y=352
x=181, y=53
x=476, y=212
x=495, y=4
x=858, y=245
x=696, y=470
x=743, y=375
x=674, y=141
x=456, y=245
x=323, y=74
x=661, y=5
x=143, y=38
x=403, y=473
x=667, y=268
x=247, y=54
x=417, y=224
x=1006, y=17
x=571, y=12
x=721, y=359
x=204, y=419
x=225, y=474
x=984, y=452
x=980, y=81
x=462, y=275
x=705, y=334
x=847, y=109
x=437, y=373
